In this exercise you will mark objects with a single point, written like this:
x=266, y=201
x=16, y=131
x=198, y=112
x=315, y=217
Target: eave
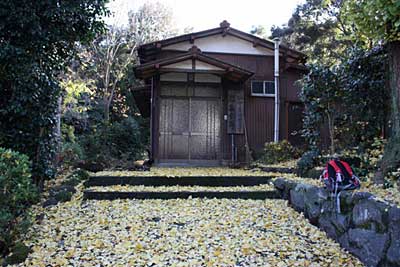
x=225, y=69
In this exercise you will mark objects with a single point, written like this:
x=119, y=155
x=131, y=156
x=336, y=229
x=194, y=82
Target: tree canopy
x=102, y=127
x=36, y=40
x=380, y=21
x=375, y=19
x=318, y=29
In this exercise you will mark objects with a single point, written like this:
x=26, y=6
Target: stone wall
x=366, y=227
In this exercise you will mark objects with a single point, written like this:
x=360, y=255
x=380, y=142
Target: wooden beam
x=217, y=72
x=225, y=32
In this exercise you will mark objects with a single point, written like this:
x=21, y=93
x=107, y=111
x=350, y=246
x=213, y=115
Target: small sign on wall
x=235, y=111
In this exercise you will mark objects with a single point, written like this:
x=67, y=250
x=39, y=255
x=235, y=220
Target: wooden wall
x=259, y=111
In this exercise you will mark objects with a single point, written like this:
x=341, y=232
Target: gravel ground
x=191, y=232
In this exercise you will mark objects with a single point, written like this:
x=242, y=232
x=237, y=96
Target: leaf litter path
x=142, y=188
x=190, y=232
x=179, y=171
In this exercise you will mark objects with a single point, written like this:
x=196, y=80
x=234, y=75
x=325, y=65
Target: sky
x=206, y=14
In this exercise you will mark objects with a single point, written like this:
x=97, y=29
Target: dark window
x=263, y=88
x=269, y=88
x=257, y=87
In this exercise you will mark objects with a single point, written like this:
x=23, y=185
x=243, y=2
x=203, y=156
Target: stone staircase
x=161, y=187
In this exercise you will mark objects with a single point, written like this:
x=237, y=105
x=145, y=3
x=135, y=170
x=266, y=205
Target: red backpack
x=339, y=176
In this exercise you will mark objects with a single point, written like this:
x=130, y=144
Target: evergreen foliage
x=318, y=29
x=17, y=193
x=36, y=40
x=379, y=20
x=349, y=98
x=278, y=152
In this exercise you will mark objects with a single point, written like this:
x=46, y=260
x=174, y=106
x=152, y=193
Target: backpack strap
x=347, y=167
x=335, y=166
x=338, y=171
x=325, y=174
x=354, y=179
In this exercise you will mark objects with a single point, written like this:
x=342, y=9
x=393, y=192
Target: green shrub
x=17, y=193
x=80, y=174
x=76, y=177
x=308, y=161
x=63, y=196
x=71, y=153
x=119, y=140
x=365, y=161
x=314, y=173
x=18, y=254
x=346, y=99
x=278, y=152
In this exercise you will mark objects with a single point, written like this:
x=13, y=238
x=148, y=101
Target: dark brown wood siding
x=259, y=121
x=290, y=91
x=259, y=111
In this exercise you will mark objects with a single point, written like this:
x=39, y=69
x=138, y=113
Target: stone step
x=279, y=169
x=87, y=194
x=182, y=181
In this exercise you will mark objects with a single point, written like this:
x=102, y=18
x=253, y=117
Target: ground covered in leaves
x=285, y=164
x=389, y=195
x=184, y=232
x=185, y=171
x=191, y=232
x=141, y=188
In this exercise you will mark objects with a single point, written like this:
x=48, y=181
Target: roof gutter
x=276, y=79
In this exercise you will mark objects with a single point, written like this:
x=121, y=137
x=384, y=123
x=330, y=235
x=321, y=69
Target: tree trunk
x=37, y=178
x=331, y=126
x=106, y=112
x=107, y=104
x=394, y=80
x=58, y=130
x=391, y=156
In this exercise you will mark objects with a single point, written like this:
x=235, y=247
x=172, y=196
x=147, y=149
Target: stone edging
x=367, y=228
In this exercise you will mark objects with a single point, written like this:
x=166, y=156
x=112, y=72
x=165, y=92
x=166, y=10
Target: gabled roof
x=149, y=49
x=194, y=55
